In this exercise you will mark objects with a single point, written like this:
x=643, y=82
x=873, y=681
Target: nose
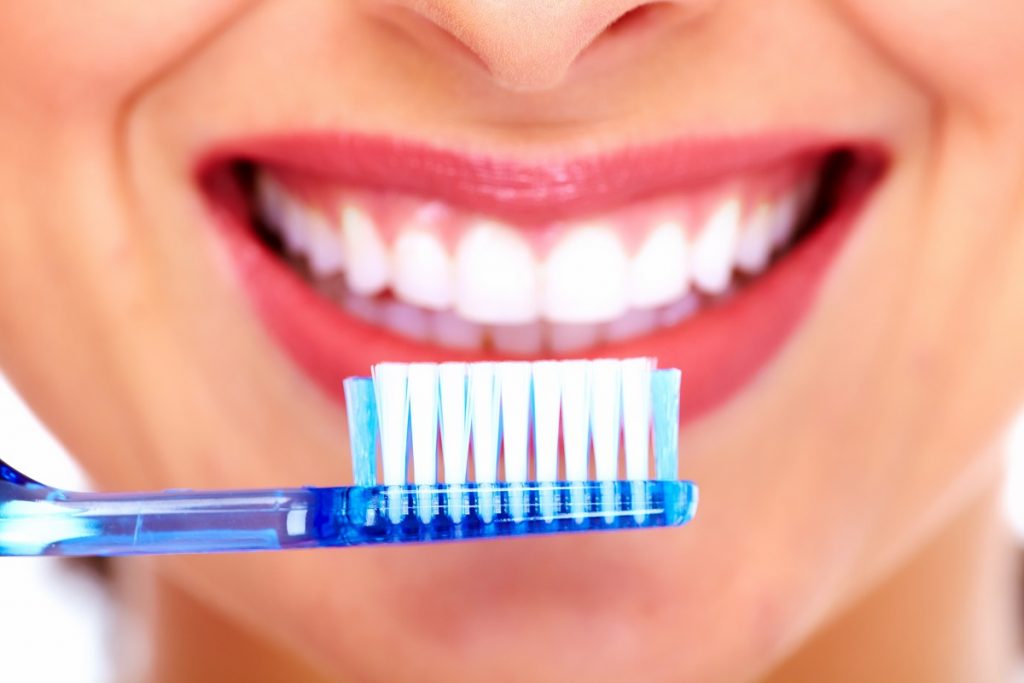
x=531, y=44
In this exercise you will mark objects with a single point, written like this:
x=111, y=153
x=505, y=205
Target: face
x=213, y=211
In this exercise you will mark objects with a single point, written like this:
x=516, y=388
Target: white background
x=55, y=625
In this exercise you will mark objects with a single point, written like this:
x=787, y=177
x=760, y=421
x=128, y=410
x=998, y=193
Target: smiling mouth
x=359, y=249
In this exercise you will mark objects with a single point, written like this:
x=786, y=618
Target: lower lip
x=719, y=350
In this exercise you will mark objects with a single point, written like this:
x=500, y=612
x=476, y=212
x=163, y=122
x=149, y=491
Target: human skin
x=868, y=440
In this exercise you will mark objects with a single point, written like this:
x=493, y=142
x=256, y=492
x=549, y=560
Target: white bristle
x=605, y=418
x=514, y=378
x=484, y=403
x=423, y=430
x=454, y=422
x=575, y=381
x=515, y=418
x=547, y=395
x=423, y=422
x=390, y=386
x=636, y=416
x=546, y=410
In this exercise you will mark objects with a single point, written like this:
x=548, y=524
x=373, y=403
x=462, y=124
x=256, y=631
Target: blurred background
x=47, y=601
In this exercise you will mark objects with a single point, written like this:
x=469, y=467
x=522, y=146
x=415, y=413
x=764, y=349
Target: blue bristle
x=665, y=413
x=362, y=429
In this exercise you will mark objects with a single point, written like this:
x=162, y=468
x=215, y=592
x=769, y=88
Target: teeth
x=658, y=273
x=755, y=245
x=495, y=292
x=564, y=338
x=326, y=253
x=455, y=332
x=526, y=339
x=423, y=271
x=369, y=268
x=784, y=220
x=585, y=277
x=634, y=323
x=495, y=275
x=715, y=247
x=406, y=320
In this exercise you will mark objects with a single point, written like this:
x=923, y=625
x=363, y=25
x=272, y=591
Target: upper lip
x=519, y=190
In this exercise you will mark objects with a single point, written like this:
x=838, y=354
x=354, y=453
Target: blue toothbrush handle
x=40, y=520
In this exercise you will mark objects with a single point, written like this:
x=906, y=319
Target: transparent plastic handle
x=39, y=520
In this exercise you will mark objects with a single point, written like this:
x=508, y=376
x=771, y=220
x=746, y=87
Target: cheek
x=70, y=57
x=960, y=49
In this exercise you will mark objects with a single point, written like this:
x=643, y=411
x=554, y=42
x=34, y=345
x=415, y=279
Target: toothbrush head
x=462, y=450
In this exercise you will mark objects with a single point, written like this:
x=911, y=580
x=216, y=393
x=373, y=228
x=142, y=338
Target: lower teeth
x=447, y=329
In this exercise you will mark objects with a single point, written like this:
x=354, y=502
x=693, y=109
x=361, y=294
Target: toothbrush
x=514, y=415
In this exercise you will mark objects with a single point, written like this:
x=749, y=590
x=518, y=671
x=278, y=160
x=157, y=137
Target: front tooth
x=455, y=332
x=326, y=253
x=422, y=270
x=369, y=267
x=524, y=339
x=659, y=270
x=755, y=244
x=408, y=321
x=634, y=323
x=563, y=338
x=678, y=311
x=585, y=277
x=495, y=276
x=715, y=248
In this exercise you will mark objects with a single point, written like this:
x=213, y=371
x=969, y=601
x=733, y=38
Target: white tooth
x=659, y=271
x=585, y=277
x=422, y=270
x=755, y=243
x=634, y=323
x=364, y=308
x=369, y=267
x=784, y=218
x=677, y=312
x=526, y=339
x=326, y=255
x=495, y=276
x=295, y=226
x=272, y=200
x=564, y=338
x=406, y=320
x=455, y=332
x=715, y=247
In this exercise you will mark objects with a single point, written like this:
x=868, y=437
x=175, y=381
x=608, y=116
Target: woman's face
x=466, y=164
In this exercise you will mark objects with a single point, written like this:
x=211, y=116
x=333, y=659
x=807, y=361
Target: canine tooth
x=272, y=200
x=563, y=338
x=422, y=270
x=632, y=323
x=369, y=267
x=585, y=277
x=715, y=247
x=755, y=244
x=522, y=339
x=659, y=270
x=784, y=218
x=495, y=276
x=455, y=332
x=408, y=321
x=326, y=255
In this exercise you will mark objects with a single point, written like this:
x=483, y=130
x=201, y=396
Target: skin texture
x=866, y=443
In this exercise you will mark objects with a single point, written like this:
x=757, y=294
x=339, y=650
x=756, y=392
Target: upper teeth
x=495, y=275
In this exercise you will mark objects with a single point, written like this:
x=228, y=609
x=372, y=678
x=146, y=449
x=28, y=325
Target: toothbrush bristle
x=522, y=423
